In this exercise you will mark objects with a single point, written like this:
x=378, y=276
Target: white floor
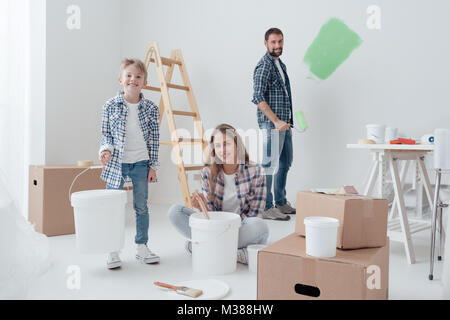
x=135, y=280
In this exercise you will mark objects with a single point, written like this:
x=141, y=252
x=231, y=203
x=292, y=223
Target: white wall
x=399, y=75
x=81, y=73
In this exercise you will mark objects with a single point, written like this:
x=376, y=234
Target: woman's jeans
x=138, y=172
x=253, y=230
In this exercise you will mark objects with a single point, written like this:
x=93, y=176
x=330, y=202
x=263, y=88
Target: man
x=272, y=95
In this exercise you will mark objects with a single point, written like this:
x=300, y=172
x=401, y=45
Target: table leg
x=373, y=177
x=426, y=180
x=402, y=210
x=402, y=181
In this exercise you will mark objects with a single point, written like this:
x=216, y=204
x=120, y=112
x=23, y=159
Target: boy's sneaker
x=274, y=214
x=144, y=254
x=286, y=209
x=113, y=261
x=188, y=246
x=242, y=256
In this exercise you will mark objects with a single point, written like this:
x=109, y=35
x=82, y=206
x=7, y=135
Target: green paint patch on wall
x=332, y=46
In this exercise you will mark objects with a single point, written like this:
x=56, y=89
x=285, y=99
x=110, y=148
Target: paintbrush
x=202, y=204
x=190, y=292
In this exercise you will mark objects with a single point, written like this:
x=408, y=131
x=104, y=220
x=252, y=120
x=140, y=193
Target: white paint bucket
x=390, y=134
x=321, y=236
x=99, y=220
x=214, y=242
x=252, y=251
x=375, y=132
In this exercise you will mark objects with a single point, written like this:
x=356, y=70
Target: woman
x=229, y=183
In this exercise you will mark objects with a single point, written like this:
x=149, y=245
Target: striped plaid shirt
x=250, y=182
x=114, y=123
x=268, y=86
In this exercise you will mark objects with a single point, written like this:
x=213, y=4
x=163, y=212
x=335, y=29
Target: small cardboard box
x=49, y=208
x=286, y=272
x=363, y=220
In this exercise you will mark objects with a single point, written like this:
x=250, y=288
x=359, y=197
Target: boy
x=129, y=147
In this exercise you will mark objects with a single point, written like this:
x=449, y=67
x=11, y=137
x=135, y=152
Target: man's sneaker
x=274, y=214
x=144, y=254
x=188, y=246
x=286, y=209
x=113, y=260
x=242, y=256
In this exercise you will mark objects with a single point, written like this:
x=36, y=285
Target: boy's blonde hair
x=136, y=62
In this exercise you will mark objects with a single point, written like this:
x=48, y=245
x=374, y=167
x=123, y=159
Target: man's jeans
x=277, y=152
x=138, y=172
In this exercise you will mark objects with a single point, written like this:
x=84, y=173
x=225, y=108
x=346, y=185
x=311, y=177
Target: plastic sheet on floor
x=24, y=253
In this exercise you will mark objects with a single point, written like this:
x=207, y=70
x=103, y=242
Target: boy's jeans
x=138, y=172
x=277, y=151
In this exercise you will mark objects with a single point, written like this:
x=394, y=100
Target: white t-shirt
x=280, y=70
x=135, y=148
x=230, y=203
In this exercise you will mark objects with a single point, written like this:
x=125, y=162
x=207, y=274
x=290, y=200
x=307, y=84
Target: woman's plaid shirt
x=250, y=182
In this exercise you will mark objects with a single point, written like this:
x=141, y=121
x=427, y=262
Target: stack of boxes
x=360, y=269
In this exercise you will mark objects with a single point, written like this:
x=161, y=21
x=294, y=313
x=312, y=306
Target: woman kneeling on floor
x=229, y=183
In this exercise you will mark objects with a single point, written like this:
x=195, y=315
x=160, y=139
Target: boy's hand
x=151, y=175
x=105, y=158
x=195, y=203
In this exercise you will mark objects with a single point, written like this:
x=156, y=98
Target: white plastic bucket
x=99, y=220
x=252, y=251
x=376, y=132
x=321, y=236
x=390, y=134
x=214, y=242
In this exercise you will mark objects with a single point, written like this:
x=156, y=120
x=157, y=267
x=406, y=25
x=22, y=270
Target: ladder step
x=167, y=61
x=193, y=168
x=190, y=140
x=169, y=85
x=184, y=113
x=175, y=86
x=152, y=88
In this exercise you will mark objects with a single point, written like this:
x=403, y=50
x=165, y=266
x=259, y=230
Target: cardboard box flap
x=295, y=245
x=343, y=196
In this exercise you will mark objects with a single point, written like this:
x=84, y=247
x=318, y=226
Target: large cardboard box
x=363, y=220
x=286, y=272
x=49, y=207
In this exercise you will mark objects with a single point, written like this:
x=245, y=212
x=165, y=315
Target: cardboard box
x=285, y=272
x=49, y=207
x=363, y=220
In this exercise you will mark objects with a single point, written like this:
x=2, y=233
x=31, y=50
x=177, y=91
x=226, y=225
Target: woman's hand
x=151, y=175
x=195, y=203
x=105, y=158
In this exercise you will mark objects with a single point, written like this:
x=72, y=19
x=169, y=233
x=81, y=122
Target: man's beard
x=275, y=54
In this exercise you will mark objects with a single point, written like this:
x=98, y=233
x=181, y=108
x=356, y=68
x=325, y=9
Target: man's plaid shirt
x=268, y=86
x=250, y=182
x=114, y=123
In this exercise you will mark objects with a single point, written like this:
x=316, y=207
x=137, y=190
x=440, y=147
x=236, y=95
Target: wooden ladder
x=153, y=56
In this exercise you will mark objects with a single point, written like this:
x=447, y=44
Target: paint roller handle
x=281, y=125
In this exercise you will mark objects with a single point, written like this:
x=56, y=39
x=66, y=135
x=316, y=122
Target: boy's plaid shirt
x=268, y=86
x=114, y=120
x=250, y=182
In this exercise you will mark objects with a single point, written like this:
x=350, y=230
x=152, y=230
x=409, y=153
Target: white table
x=399, y=228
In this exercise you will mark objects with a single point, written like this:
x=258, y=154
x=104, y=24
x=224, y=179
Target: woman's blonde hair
x=136, y=62
x=215, y=167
